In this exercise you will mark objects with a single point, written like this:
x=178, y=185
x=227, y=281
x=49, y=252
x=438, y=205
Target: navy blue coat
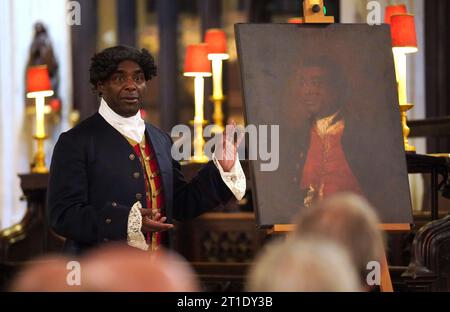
x=94, y=181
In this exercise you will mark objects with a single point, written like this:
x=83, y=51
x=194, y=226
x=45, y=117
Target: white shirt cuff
x=135, y=237
x=234, y=179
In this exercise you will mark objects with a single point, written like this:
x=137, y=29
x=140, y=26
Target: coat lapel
x=164, y=163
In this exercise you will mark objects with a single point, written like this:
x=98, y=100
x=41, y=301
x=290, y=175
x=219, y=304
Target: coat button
x=138, y=196
x=108, y=221
x=114, y=204
x=132, y=157
x=136, y=175
x=106, y=240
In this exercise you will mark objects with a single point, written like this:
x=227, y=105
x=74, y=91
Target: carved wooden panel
x=220, y=237
x=430, y=261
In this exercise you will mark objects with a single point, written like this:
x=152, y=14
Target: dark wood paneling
x=84, y=45
x=168, y=62
x=429, y=268
x=31, y=237
x=126, y=22
x=437, y=69
x=430, y=127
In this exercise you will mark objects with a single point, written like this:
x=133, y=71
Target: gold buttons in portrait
x=132, y=157
x=114, y=204
x=108, y=221
x=136, y=175
x=138, y=196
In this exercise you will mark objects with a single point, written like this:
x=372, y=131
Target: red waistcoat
x=153, y=184
x=326, y=170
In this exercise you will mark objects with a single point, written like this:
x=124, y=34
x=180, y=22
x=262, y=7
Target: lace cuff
x=135, y=237
x=234, y=179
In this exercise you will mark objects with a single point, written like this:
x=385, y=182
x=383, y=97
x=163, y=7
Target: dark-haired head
x=105, y=63
x=119, y=75
x=322, y=85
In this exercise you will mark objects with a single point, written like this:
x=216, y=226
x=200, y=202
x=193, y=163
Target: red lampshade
x=393, y=9
x=216, y=40
x=38, y=79
x=403, y=31
x=196, y=62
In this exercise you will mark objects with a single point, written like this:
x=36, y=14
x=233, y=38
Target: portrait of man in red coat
x=332, y=93
x=326, y=169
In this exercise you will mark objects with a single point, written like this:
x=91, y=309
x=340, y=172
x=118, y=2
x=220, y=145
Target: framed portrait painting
x=331, y=90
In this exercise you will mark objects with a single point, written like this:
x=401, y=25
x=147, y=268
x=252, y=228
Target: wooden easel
x=313, y=13
x=386, y=281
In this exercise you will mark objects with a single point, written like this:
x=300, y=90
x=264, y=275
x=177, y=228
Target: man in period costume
x=113, y=177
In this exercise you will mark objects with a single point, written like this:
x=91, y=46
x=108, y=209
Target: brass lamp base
x=38, y=165
x=217, y=129
x=204, y=122
x=403, y=109
x=199, y=142
x=217, y=114
x=200, y=159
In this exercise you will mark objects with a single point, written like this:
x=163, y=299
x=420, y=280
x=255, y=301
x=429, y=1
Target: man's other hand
x=153, y=222
x=226, y=152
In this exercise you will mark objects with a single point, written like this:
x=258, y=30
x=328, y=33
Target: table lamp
x=404, y=42
x=217, y=52
x=197, y=65
x=39, y=87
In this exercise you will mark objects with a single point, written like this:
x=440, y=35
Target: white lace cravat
x=132, y=127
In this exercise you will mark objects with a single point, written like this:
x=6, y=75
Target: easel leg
x=386, y=282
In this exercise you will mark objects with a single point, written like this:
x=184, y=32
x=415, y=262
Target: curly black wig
x=105, y=63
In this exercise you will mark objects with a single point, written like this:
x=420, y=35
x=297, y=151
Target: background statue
x=41, y=53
